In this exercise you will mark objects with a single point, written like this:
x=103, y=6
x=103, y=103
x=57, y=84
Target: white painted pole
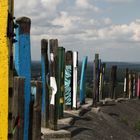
x=75, y=68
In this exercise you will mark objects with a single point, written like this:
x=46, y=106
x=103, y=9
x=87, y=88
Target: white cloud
x=77, y=26
x=124, y=32
x=85, y=4
x=51, y=5
x=117, y=1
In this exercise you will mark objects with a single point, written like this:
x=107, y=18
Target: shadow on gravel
x=110, y=104
x=114, y=114
x=84, y=111
x=80, y=118
x=78, y=130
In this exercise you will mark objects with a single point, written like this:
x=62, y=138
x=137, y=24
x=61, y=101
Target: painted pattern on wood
x=68, y=82
x=68, y=96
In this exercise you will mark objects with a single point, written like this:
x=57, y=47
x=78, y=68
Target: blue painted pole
x=45, y=95
x=83, y=81
x=22, y=57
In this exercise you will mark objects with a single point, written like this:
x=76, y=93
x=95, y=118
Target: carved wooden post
x=138, y=86
x=60, y=80
x=53, y=72
x=134, y=85
x=113, y=82
x=45, y=94
x=129, y=93
x=23, y=64
x=103, y=78
x=18, y=109
x=68, y=80
x=83, y=81
x=101, y=83
x=96, y=83
x=126, y=82
x=36, y=91
x=130, y=85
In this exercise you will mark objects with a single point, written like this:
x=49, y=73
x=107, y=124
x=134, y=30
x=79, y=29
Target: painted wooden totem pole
x=113, y=82
x=75, y=80
x=138, y=86
x=53, y=113
x=60, y=80
x=36, y=92
x=83, y=81
x=68, y=80
x=45, y=79
x=126, y=82
x=23, y=64
x=96, y=80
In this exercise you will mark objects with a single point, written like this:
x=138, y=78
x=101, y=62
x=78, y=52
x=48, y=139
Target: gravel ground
x=112, y=121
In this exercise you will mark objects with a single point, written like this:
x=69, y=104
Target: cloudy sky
x=108, y=27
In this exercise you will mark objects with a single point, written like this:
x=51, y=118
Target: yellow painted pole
x=4, y=70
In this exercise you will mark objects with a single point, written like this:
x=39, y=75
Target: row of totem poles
x=131, y=86
x=29, y=105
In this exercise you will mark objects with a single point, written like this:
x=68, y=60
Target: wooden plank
x=83, y=81
x=23, y=63
x=68, y=96
x=45, y=94
x=53, y=113
x=18, y=109
x=36, y=123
